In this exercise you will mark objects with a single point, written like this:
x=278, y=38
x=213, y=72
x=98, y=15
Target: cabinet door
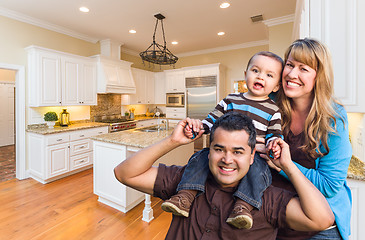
x=50, y=79
x=140, y=81
x=160, y=88
x=150, y=87
x=175, y=82
x=87, y=87
x=71, y=79
x=340, y=25
x=57, y=160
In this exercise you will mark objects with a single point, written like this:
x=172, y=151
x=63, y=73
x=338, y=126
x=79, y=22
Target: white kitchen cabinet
x=341, y=26
x=57, y=78
x=160, y=88
x=145, y=87
x=175, y=81
x=79, y=82
x=358, y=209
x=201, y=71
x=146, y=123
x=58, y=160
x=175, y=113
x=57, y=155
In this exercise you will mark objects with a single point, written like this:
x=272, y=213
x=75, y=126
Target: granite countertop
x=356, y=169
x=44, y=130
x=133, y=137
x=140, y=139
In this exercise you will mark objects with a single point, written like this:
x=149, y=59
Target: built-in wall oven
x=175, y=99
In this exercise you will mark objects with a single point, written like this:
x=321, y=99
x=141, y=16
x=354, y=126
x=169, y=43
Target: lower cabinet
x=58, y=155
x=176, y=113
x=358, y=209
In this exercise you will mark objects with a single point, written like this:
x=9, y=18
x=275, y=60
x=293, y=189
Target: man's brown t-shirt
x=210, y=210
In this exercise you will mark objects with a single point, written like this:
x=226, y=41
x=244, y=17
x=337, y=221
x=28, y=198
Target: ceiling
x=194, y=24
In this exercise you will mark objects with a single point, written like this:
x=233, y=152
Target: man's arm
x=137, y=170
x=309, y=212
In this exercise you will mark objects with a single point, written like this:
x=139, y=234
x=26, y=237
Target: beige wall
x=7, y=75
x=15, y=36
x=280, y=37
x=235, y=61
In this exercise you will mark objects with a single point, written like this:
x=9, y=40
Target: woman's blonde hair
x=318, y=123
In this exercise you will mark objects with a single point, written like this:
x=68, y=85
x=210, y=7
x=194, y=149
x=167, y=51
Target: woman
x=315, y=127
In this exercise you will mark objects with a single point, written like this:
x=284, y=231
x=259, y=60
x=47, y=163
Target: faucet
x=166, y=122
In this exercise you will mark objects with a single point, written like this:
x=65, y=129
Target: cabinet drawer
x=97, y=131
x=81, y=146
x=81, y=160
x=176, y=115
x=57, y=139
x=175, y=110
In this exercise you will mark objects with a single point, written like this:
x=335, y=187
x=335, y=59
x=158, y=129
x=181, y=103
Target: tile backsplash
x=108, y=104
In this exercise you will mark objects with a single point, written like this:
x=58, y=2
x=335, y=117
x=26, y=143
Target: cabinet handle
x=60, y=139
x=82, y=146
x=82, y=135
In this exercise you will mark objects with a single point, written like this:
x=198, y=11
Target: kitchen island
x=113, y=148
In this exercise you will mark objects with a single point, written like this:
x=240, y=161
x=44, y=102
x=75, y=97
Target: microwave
x=175, y=99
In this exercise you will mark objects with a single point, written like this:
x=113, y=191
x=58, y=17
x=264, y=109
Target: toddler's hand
x=273, y=149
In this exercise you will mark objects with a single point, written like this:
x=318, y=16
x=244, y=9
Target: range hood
x=113, y=75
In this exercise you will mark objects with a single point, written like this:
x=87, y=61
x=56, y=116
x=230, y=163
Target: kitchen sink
x=150, y=129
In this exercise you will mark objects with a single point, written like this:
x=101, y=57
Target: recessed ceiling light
x=224, y=5
x=84, y=9
x=221, y=33
x=174, y=42
x=132, y=31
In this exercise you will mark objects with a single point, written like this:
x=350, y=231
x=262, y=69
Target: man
x=231, y=153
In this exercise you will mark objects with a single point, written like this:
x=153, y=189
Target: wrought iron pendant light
x=156, y=53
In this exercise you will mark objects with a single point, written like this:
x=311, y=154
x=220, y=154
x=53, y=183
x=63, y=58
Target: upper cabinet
x=341, y=26
x=114, y=76
x=175, y=81
x=160, y=88
x=57, y=78
x=145, y=87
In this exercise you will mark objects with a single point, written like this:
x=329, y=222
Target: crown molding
x=280, y=20
x=37, y=22
x=225, y=48
x=130, y=52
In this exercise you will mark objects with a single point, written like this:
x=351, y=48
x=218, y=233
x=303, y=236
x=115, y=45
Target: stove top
x=117, y=120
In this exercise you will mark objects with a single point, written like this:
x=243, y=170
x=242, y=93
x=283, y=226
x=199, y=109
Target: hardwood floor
x=68, y=209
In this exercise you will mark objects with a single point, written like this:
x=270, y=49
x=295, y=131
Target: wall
x=280, y=38
x=7, y=75
x=235, y=62
x=16, y=35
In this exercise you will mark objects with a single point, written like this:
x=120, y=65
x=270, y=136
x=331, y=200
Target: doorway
x=7, y=125
x=20, y=124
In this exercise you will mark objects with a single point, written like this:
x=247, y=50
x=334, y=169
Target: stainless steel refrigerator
x=201, y=96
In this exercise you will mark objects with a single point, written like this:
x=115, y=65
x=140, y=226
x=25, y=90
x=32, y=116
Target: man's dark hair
x=235, y=121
